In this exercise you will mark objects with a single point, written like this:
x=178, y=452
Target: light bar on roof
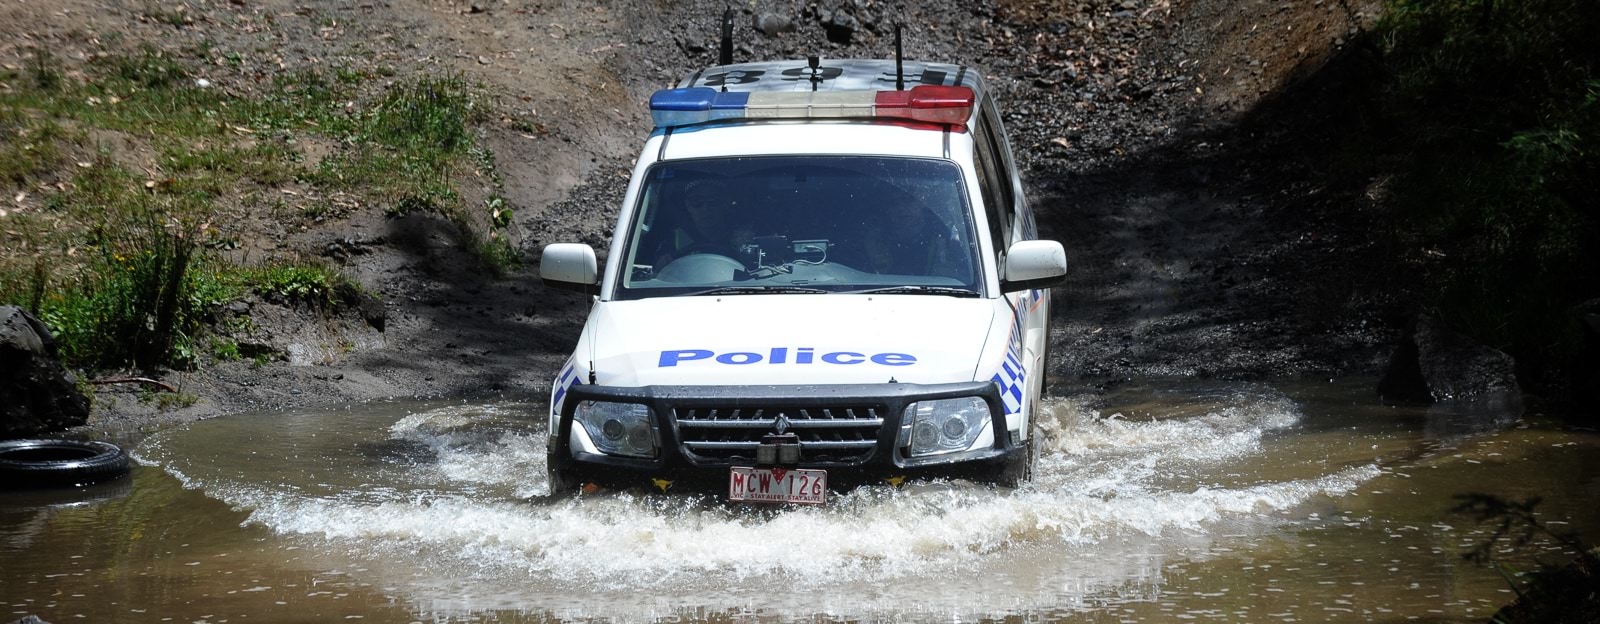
x=927, y=103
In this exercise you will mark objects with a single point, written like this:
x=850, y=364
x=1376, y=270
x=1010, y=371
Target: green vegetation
x=1491, y=114
x=301, y=283
x=130, y=180
x=125, y=289
x=408, y=146
x=225, y=350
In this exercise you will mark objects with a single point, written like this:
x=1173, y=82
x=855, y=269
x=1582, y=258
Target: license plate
x=777, y=485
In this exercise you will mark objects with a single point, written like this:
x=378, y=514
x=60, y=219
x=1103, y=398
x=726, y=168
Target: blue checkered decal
x=565, y=381
x=1012, y=378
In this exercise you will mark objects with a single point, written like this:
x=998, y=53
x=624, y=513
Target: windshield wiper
x=757, y=290
x=949, y=291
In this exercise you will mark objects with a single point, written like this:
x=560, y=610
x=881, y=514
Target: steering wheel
x=700, y=268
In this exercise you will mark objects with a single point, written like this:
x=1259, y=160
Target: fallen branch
x=144, y=380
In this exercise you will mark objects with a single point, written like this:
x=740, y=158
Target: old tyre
x=58, y=463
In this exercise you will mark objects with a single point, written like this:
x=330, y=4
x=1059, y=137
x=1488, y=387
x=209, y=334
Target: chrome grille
x=827, y=434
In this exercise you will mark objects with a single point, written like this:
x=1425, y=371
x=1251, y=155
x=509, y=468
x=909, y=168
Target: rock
x=374, y=312
x=37, y=394
x=839, y=26
x=772, y=24
x=29, y=619
x=1437, y=365
x=239, y=307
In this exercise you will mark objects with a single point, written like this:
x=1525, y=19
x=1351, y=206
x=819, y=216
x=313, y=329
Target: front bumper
x=852, y=431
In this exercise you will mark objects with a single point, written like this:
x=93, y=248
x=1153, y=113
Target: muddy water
x=1226, y=503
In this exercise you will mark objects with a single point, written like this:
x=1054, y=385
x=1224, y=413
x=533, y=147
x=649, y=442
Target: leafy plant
x=225, y=350
x=1494, y=109
x=297, y=283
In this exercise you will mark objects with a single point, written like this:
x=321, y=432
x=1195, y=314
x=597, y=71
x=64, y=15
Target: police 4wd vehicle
x=824, y=273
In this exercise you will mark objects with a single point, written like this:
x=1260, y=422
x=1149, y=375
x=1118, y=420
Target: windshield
x=786, y=224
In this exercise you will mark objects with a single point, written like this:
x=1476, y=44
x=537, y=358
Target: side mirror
x=570, y=266
x=1034, y=264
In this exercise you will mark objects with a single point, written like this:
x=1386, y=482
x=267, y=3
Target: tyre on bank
x=59, y=463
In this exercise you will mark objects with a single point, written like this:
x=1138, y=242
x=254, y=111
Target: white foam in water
x=1100, y=479
x=489, y=455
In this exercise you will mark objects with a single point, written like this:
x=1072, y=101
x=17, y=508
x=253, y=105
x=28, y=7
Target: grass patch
x=407, y=147
x=301, y=283
x=124, y=261
x=119, y=284
x=30, y=149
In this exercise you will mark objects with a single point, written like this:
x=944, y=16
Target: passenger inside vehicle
x=904, y=237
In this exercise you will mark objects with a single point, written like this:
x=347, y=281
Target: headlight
x=618, y=428
x=943, y=426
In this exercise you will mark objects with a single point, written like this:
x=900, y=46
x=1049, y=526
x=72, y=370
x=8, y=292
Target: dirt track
x=1135, y=121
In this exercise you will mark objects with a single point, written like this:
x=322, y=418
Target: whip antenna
x=899, y=69
x=726, y=58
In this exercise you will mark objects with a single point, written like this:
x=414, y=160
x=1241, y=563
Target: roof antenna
x=899, y=69
x=726, y=58
x=814, y=62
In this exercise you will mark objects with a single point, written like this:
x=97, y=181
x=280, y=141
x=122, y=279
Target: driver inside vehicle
x=710, y=222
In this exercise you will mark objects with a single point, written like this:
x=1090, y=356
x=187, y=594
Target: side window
x=1001, y=159
x=995, y=186
x=983, y=162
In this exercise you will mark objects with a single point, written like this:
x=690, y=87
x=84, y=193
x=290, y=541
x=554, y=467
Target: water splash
x=457, y=482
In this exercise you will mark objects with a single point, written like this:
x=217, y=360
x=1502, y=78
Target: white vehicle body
x=671, y=351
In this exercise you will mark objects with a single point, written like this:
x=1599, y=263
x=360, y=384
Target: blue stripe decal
x=564, y=381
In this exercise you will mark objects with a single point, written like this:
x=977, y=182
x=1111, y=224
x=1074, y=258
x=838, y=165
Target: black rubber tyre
x=1018, y=469
x=59, y=463
x=563, y=483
